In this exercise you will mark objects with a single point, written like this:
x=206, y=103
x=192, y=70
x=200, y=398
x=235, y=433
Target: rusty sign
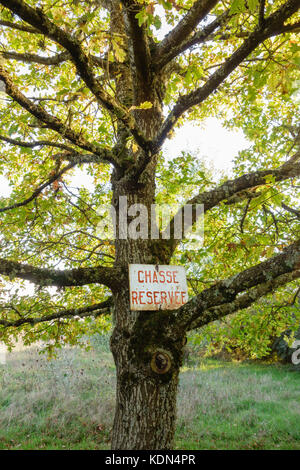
x=159, y=287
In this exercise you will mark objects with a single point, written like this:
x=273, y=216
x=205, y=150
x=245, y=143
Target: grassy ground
x=68, y=403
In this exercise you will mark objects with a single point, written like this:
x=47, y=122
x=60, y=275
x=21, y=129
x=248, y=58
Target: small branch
x=38, y=143
x=52, y=122
x=19, y=27
x=38, y=190
x=261, y=19
x=95, y=310
x=232, y=189
x=295, y=212
x=197, y=37
x=244, y=215
x=29, y=58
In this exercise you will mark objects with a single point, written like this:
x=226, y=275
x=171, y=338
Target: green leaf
x=252, y=4
x=237, y=6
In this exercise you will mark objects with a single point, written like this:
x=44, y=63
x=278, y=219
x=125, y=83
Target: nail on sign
x=157, y=287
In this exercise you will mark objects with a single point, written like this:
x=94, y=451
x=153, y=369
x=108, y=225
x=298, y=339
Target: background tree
x=93, y=83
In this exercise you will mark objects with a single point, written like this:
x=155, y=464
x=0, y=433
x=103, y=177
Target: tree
x=88, y=83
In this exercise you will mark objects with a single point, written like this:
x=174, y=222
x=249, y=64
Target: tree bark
x=147, y=350
x=148, y=355
x=145, y=415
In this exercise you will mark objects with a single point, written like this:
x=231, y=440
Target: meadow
x=68, y=402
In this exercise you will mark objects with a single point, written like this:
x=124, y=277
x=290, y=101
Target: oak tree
x=101, y=85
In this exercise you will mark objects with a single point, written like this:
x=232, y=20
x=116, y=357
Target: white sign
x=157, y=287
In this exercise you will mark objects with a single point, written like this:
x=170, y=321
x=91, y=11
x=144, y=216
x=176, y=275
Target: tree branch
x=272, y=25
x=38, y=190
x=19, y=27
x=293, y=211
x=110, y=277
x=92, y=310
x=139, y=51
x=197, y=37
x=290, y=28
x=52, y=122
x=261, y=18
x=70, y=155
x=233, y=188
x=243, y=301
x=29, y=58
x=38, y=143
x=182, y=30
x=57, y=59
x=226, y=291
x=36, y=18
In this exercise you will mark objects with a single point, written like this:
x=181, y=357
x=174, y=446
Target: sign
x=157, y=287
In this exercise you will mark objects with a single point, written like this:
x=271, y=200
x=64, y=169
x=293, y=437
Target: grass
x=68, y=403
x=225, y=405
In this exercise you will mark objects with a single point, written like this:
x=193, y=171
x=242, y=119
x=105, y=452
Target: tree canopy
x=61, y=64
x=98, y=87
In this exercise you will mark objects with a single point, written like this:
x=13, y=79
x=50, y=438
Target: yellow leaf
x=134, y=147
x=145, y=105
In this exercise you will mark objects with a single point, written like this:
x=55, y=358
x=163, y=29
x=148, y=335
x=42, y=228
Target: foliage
x=57, y=228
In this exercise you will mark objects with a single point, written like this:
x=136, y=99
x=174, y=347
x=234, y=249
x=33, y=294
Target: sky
x=213, y=141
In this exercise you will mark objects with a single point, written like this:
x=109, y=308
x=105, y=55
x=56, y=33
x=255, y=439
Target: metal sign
x=159, y=287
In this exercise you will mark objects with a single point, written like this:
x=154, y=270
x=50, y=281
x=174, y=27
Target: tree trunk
x=147, y=350
x=145, y=415
x=148, y=356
